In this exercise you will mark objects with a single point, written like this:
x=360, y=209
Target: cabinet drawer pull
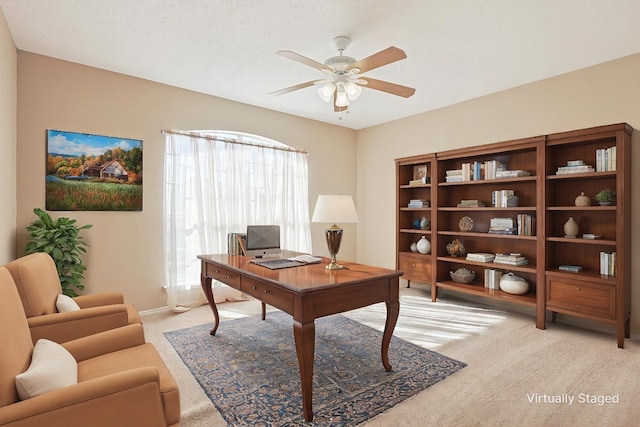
x=229, y=276
x=266, y=291
x=217, y=271
x=578, y=288
x=254, y=288
x=413, y=265
x=577, y=306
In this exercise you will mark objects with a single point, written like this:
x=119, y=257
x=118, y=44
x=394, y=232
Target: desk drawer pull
x=229, y=276
x=266, y=291
x=254, y=288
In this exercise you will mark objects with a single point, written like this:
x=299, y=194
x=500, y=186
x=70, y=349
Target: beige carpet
x=516, y=374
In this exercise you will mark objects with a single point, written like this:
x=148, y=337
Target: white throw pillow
x=65, y=303
x=52, y=367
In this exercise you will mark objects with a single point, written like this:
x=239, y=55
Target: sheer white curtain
x=213, y=187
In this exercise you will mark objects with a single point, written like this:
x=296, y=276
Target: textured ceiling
x=456, y=50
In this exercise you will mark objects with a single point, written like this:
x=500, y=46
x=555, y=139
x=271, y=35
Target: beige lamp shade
x=335, y=208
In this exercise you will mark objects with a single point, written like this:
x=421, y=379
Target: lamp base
x=333, y=235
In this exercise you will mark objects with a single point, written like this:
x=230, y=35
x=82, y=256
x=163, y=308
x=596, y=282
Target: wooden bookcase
x=416, y=266
x=588, y=293
x=548, y=199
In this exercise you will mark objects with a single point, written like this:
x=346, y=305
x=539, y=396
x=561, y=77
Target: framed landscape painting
x=88, y=172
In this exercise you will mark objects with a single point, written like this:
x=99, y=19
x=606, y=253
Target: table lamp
x=334, y=208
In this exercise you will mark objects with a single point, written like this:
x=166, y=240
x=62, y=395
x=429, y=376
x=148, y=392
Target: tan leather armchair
x=122, y=381
x=38, y=285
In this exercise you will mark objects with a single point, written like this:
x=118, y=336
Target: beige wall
x=8, y=96
x=599, y=95
x=126, y=253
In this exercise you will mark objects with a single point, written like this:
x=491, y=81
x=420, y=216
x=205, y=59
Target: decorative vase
x=423, y=245
x=455, y=248
x=570, y=228
x=583, y=200
x=513, y=284
x=425, y=223
x=414, y=247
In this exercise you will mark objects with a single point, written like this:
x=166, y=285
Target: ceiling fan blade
x=384, y=57
x=302, y=59
x=292, y=88
x=391, y=88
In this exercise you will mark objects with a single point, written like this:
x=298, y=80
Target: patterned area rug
x=249, y=370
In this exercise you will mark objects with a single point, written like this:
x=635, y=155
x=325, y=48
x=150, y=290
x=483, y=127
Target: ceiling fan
x=344, y=81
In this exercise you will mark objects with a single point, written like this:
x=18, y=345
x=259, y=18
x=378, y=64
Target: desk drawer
x=580, y=297
x=269, y=294
x=223, y=275
x=415, y=266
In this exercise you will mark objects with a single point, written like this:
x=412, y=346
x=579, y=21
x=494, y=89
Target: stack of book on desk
x=510, y=259
x=480, y=257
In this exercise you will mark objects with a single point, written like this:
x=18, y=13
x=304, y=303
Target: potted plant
x=605, y=196
x=62, y=241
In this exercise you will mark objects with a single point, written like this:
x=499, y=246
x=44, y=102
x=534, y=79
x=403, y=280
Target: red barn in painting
x=112, y=169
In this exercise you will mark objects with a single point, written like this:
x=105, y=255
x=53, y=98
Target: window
x=218, y=182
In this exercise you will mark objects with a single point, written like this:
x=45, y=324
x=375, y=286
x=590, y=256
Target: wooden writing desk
x=307, y=293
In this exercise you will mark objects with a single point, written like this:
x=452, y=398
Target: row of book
x=492, y=278
x=500, y=198
x=608, y=263
x=476, y=171
x=606, y=159
x=234, y=243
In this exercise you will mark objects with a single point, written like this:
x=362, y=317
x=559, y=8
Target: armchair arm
x=96, y=300
x=61, y=327
x=105, y=342
x=126, y=398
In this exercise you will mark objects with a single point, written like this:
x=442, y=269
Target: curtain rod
x=230, y=141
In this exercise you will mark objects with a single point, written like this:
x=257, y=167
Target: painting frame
x=92, y=172
x=420, y=172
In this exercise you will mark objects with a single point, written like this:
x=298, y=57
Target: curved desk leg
x=393, y=310
x=305, y=337
x=205, y=282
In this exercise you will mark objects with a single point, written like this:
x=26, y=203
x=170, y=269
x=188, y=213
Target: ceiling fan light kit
x=344, y=83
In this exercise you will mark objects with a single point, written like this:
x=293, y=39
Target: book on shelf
x=492, y=278
x=591, y=236
x=525, y=224
x=575, y=166
x=492, y=168
x=470, y=203
x=503, y=230
x=570, y=268
x=454, y=178
x=512, y=173
x=418, y=181
x=501, y=222
x=606, y=159
x=510, y=259
x=418, y=203
x=608, y=263
x=480, y=257
x=499, y=198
